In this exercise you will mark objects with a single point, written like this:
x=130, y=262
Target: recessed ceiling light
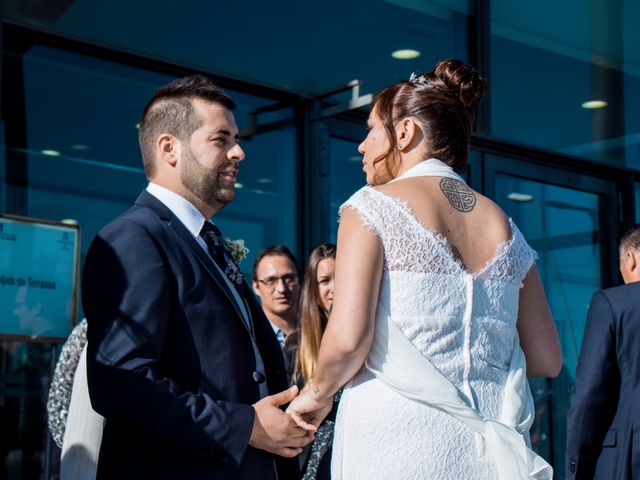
x=520, y=197
x=69, y=221
x=405, y=54
x=79, y=147
x=264, y=180
x=355, y=158
x=138, y=126
x=238, y=185
x=51, y=153
x=594, y=104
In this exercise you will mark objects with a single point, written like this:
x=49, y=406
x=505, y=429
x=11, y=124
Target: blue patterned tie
x=213, y=238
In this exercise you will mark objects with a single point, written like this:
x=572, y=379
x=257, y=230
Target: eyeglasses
x=288, y=280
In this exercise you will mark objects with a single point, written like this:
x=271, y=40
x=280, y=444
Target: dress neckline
x=501, y=248
x=431, y=167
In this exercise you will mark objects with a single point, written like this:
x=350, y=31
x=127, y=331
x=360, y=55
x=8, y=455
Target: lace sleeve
x=524, y=256
x=368, y=208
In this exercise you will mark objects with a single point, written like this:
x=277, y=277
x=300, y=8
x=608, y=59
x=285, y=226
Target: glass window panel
x=3, y=170
x=561, y=224
x=543, y=72
x=346, y=177
x=637, y=202
x=83, y=163
x=24, y=381
x=82, y=144
x=316, y=46
x=264, y=211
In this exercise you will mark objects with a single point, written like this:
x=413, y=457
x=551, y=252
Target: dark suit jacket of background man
x=172, y=365
x=603, y=422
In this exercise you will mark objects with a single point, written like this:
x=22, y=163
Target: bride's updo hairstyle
x=442, y=101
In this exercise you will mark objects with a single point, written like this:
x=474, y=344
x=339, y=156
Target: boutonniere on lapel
x=236, y=248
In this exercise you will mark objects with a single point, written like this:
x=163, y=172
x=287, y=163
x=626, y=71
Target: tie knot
x=211, y=234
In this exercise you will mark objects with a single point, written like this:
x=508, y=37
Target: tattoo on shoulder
x=461, y=197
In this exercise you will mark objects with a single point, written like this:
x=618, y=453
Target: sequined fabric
x=324, y=439
x=322, y=443
x=62, y=383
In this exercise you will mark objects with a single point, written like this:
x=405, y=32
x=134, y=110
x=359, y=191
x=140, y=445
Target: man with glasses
x=276, y=283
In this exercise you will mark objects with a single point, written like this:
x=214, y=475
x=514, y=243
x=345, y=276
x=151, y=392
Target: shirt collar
x=279, y=333
x=186, y=212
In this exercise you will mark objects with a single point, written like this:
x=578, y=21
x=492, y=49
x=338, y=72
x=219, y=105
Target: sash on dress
x=397, y=362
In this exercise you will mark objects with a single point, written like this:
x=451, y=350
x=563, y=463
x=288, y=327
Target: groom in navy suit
x=181, y=361
x=603, y=422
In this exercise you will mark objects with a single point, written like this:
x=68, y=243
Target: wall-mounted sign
x=39, y=271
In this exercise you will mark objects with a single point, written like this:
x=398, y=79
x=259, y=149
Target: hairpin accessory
x=419, y=79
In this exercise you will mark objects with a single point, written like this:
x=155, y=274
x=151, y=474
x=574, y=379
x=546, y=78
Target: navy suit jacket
x=172, y=365
x=603, y=422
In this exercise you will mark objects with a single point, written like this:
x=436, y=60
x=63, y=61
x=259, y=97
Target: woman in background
x=316, y=300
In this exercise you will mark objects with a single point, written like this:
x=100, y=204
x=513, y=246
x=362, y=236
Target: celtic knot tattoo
x=459, y=195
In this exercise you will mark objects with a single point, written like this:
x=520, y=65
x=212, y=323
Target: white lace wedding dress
x=463, y=323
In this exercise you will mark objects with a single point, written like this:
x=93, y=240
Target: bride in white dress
x=439, y=313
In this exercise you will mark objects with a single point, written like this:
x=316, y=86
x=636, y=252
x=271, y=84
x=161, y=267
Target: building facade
x=556, y=145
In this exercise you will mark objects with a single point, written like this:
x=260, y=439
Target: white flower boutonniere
x=236, y=248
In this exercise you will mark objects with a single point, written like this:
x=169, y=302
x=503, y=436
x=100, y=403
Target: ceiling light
x=520, y=197
x=79, y=147
x=51, y=153
x=238, y=185
x=594, y=104
x=355, y=158
x=69, y=221
x=264, y=180
x=405, y=54
x=138, y=126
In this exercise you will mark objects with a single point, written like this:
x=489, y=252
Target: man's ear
x=632, y=260
x=256, y=290
x=168, y=149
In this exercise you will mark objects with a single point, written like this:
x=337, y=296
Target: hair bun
x=462, y=80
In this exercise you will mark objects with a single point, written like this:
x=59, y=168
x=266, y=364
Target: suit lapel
x=147, y=200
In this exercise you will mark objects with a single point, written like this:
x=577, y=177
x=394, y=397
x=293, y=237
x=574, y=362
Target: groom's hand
x=275, y=431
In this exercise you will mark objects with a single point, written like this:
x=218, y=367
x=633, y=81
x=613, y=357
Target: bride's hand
x=308, y=411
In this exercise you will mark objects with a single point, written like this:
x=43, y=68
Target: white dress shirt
x=193, y=220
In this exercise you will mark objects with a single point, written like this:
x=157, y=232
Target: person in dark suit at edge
x=603, y=422
x=181, y=361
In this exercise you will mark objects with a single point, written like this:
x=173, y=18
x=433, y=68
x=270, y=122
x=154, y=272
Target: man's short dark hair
x=272, y=251
x=170, y=111
x=631, y=239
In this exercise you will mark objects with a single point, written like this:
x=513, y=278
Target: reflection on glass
x=311, y=49
x=637, y=202
x=346, y=177
x=264, y=211
x=24, y=381
x=561, y=224
x=544, y=72
x=87, y=111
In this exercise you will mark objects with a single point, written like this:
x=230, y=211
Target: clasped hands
x=285, y=433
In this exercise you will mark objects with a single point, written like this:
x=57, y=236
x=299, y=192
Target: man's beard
x=203, y=183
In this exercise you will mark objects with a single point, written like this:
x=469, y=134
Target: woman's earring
x=400, y=146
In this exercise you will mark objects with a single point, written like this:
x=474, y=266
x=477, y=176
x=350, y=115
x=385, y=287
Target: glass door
x=345, y=163
x=570, y=220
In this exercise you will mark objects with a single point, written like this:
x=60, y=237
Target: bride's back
x=474, y=229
